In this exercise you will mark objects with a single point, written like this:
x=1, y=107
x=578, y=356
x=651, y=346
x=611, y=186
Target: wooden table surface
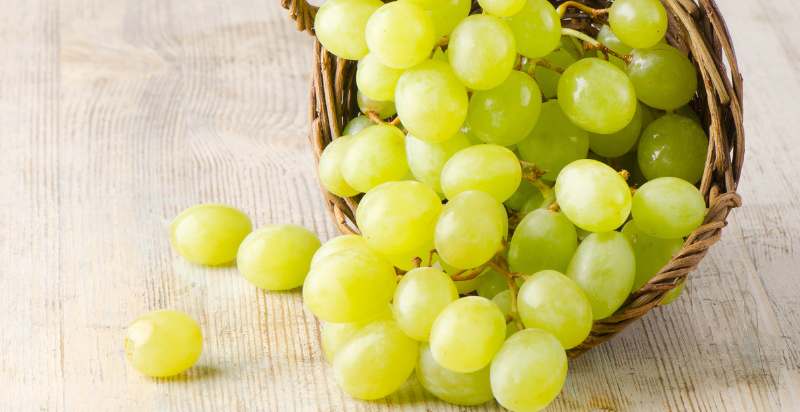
x=117, y=114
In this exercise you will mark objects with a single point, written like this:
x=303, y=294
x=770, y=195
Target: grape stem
x=468, y=274
x=501, y=266
x=376, y=118
x=549, y=66
x=592, y=44
x=562, y=9
x=431, y=254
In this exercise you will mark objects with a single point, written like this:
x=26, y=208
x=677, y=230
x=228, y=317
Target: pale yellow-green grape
x=382, y=109
x=554, y=142
x=349, y=286
x=426, y=159
x=471, y=229
x=673, y=146
x=550, y=301
x=537, y=201
x=467, y=286
x=446, y=14
x=457, y=388
x=163, y=343
x=376, y=80
x=209, y=234
x=431, y=102
x=406, y=260
x=400, y=34
x=375, y=155
x=638, y=23
x=340, y=24
x=482, y=51
x=617, y=143
x=543, y=239
x=503, y=301
x=467, y=334
x=528, y=371
x=356, y=125
x=604, y=266
x=597, y=96
x=651, y=252
x=337, y=244
x=419, y=298
x=668, y=208
x=537, y=28
x=521, y=195
x=486, y=167
x=376, y=361
x=663, y=77
x=502, y=8
x=333, y=336
x=505, y=114
x=277, y=257
x=607, y=37
x=593, y=195
x=330, y=171
x=398, y=217
x=491, y=284
x=673, y=294
x=547, y=78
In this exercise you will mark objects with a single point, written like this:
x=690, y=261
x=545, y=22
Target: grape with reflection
x=471, y=229
x=400, y=34
x=446, y=14
x=618, y=143
x=536, y=28
x=163, y=343
x=505, y=114
x=356, y=125
x=501, y=8
x=593, y=195
x=489, y=168
x=663, y=77
x=466, y=389
x=383, y=109
x=554, y=142
x=503, y=301
x=482, y=51
x=277, y=257
x=651, y=252
x=330, y=167
x=668, y=208
x=544, y=239
x=333, y=336
x=673, y=146
x=376, y=80
x=338, y=244
x=638, y=23
x=491, y=284
x=419, y=298
x=426, y=159
x=209, y=234
x=467, y=334
x=376, y=155
x=340, y=24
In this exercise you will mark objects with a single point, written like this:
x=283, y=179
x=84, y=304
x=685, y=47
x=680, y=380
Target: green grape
x=505, y=114
x=467, y=334
x=552, y=302
x=512, y=328
x=349, y=286
x=470, y=229
x=663, y=77
x=610, y=40
x=524, y=192
x=400, y=34
x=376, y=361
x=356, y=125
x=649, y=115
x=548, y=78
x=604, y=266
x=668, y=208
x=426, y=159
x=593, y=195
x=163, y=343
x=338, y=244
x=340, y=24
x=651, y=252
x=431, y=102
x=334, y=336
x=536, y=28
x=405, y=260
x=528, y=371
x=491, y=284
x=467, y=286
x=618, y=143
x=446, y=14
x=673, y=146
x=482, y=51
x=457, y=388
x=330, y=171
x=673, y=294
x=597, y=96
x=277, y=257
x=537, y=201
x=398, y=217
x=687, y=111
x=419, y=298
x=502, y=8
x=376, y=155
x=209, y=234
x=489, y=168
x=554, y=142
x=503, y=302
x=629, y=163
x=542, y=240
x=375, y=80
x=384, y=110
x=638, y=23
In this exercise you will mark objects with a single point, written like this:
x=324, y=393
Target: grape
x=489, y=168
x=406, y=260
x=663, y=77
x=607, y=37
x=356, y=125
x=537, y=201
x=349, y=286
x=638, y=23
x=651, y=252
x=376, y=361
x=528, y=371
x=446, y=14
x=482, y=51
x=536, y=28
x=340, y=24
x=597, y=96
x=604, y=266
x=376, y=80
x=491, y=284
x=330, y=171
x=458, y=388
x=649, y=115
x=630, y=163
x=382, y=109
x=400, y=34
x=593, y=195
x=163, y=343
x=338, y=244
x=418, y=299
x=554, y=142
x=687, y=111
x=668, y=208
x=542, y=240
x=209, y=234
x=552, y=302
x=398, y=217
x=673, y=294
x=503, y=302
x=618, y=143
x=277, y=257
x=426, y=159
x=524, y=192
x=505, y=114
x=431, y=102
x=512, y=328
x=376, y=155
x=334, y=336
x=471, y=229
x=502, y=8
x=548, y=78
x=467, y=333
x=673, y=146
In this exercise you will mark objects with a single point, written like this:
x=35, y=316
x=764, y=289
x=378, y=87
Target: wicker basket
x=694, y=27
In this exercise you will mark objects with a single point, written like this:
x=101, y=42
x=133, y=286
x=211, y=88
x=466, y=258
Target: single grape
x=618, y=143
x=163, y=343
x=467, y=334
x=340, y=24
x=651, y=252
x=356, y=125
x=547, y=78
x=333, y=336
x=376, y=155
x=457, y=388
x=649, y=115
x=597, y=96
x=400, y=34
x=277, y=257
x=668, y=208
x=552, y=302
x=604, y=266
x=538, y=200
x=471, y=229
x=426, y=159
x=536, y=28
x=376, y=80
x=406, y=260
x=503, y=302
x=419, y=298
x=673, y=294
x=673, y=146
x=521, y=195
x=491, y=284
x=338, y=244
x=482, y=51
x=505, y=114
x=446, y=14
x=607, y=37
x=542, y=240
x=330, y=170
x=502, y=8
x=209, y=234
x=663, y=77
x=554, y=142
x=489, y=168
x=593, y=195
x=384, y=110
x=528, y=371
x=638, y=23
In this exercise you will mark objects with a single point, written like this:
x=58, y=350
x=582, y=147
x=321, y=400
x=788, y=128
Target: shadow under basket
x=696, y=27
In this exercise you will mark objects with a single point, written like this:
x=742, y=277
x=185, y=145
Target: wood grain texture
x=117, y=114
